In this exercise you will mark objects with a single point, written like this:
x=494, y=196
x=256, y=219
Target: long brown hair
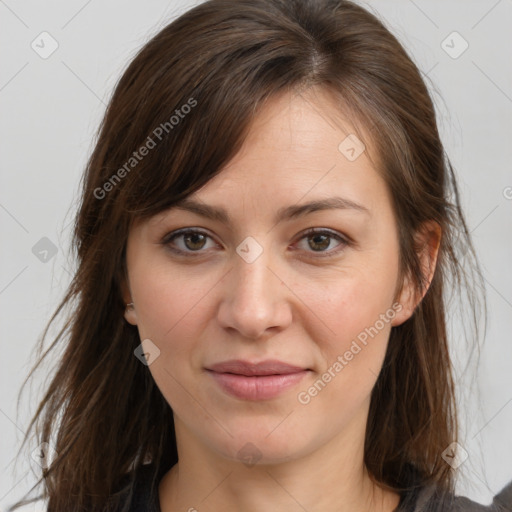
x=189, y=97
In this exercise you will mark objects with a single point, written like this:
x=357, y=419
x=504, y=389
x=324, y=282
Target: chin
x=252, y=446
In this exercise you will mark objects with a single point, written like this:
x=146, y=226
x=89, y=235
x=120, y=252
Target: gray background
x=52, y=106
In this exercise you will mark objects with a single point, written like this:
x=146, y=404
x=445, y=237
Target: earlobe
x=406, y=303
x=129, y=313
x=427, y=243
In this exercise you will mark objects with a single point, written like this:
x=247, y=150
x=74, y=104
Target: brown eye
x=319, y=241
x=194, y=241
x=191, y=241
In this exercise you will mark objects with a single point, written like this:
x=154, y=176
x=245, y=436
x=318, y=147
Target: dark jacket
x=417, y=499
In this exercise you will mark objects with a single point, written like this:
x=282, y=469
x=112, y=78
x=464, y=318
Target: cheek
x=353, y=302
x=172, y=311
x=355, y=315
x=169, y=304
x=351, y=357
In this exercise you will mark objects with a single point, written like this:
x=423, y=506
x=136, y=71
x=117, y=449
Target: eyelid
x=344, y=240
x=335, y=234
x=182, y=231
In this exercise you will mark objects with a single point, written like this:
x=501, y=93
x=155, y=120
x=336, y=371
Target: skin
x=290, y=304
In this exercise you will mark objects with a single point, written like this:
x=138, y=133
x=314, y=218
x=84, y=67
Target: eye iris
x=193, y=236
x=195, y=241
x=323, y=245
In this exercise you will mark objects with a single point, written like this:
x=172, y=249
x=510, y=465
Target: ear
x=130, y=314
x=427, y=241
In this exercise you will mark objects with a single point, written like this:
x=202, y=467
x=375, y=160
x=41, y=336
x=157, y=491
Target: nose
x=254, y=297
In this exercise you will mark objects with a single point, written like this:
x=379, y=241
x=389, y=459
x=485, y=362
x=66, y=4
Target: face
x=310, y=287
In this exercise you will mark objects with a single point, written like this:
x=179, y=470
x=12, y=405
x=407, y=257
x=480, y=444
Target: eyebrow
x=285, y=213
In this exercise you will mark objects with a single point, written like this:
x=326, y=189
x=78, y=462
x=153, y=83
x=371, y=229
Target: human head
x=190, y=97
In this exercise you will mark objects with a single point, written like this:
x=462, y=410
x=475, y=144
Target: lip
x=256, y=381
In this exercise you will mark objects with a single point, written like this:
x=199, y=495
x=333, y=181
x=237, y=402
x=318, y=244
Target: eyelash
x=344, y=241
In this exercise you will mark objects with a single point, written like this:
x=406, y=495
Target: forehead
x=299, y=148
x=317, y=115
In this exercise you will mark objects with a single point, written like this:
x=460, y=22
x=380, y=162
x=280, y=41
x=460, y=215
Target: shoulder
x=429, y=499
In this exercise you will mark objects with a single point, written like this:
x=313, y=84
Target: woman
x=264, y=241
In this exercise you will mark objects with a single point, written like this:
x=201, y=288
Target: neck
x=331, y=478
